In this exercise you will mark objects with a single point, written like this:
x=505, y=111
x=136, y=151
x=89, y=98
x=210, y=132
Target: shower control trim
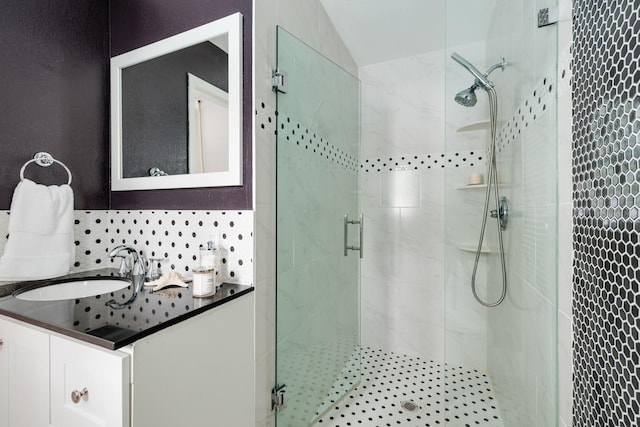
x=503, y=213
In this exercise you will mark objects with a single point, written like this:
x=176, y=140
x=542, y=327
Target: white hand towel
x=41, y=243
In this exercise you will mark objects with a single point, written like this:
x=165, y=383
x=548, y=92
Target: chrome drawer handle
x=77, y=395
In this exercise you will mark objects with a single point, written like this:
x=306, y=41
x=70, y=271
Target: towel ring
x=44, y=159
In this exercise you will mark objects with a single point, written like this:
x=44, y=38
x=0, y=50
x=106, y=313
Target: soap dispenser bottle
x=218, y=256
x=207, y=256
x=212, y=257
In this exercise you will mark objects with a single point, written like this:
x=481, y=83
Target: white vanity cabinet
x=89, y=385
x=198, y=372
x=24, y=375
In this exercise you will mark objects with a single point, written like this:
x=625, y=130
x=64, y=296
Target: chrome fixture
x=44, y=159
x=279, y=398
x=155, y=171
x=136, y=274
x=348, y=221
x=502, y=213
x=77, y=395
x=480, y=78
x=280, y=81
x=467, y=98
x=154, y=272
x=409, y=405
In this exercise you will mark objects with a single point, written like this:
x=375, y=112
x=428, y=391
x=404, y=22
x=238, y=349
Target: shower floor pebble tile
x=440, y=395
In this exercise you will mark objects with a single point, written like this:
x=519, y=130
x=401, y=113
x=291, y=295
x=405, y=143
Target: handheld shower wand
x=468, y=98
x=481, y=79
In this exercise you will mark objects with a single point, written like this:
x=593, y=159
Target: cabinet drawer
x=89, y=385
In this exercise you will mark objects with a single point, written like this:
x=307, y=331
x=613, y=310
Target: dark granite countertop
x=91, y=320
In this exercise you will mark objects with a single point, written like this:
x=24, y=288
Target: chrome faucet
x=136, y=274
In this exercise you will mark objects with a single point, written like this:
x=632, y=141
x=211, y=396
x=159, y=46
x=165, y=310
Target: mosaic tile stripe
x=423, y=161
x=294, y=132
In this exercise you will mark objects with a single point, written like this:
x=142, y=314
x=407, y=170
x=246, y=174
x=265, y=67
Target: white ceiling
x=380, y=30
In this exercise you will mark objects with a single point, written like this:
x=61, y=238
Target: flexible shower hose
x=492, y=179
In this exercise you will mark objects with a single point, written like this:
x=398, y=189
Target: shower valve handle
x=502, y=213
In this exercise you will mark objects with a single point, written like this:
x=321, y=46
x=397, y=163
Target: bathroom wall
x=605, y=215
x=55, y=95
x=174, y=236
x=535, y=317
x=55, y=71
x=404, y=164
x=403, y=207
x=55, y=74
x=466, y=328
x=309, y=22
x=135, y=24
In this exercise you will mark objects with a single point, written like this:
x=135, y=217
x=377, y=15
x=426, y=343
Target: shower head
x=467, y=97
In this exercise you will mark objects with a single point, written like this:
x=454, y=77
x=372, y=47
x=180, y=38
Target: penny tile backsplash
x=174, y=236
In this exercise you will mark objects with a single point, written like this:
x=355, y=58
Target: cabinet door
x=198, y=373
x=89, y=385
x=24, y=376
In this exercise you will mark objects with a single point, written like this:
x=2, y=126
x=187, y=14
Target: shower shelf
x=472, y=247
x=472, y=187
x=477, y=186
x=472, y=127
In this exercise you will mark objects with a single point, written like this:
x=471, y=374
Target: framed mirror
x=176, y=110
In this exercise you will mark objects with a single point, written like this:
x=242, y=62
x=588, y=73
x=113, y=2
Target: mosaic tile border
x=542, y=96
x=423, y=161
x=296, y=133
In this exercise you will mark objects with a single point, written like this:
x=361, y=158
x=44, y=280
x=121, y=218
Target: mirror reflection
x=175, y=112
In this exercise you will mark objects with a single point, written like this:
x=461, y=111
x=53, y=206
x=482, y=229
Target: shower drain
x=409, y=405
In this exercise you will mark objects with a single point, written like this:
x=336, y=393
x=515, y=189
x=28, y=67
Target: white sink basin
x=73, y=289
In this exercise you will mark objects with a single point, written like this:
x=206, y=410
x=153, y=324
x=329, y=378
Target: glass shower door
x=318, y=232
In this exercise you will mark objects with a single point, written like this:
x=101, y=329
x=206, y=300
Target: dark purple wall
x=137, y=23
x=54, y=95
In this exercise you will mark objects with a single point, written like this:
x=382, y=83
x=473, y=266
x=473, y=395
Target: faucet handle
x=125, y=266
x=154, y=271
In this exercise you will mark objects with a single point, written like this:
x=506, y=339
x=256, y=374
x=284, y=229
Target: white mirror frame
x=231, y=25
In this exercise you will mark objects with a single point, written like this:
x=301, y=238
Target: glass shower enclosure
x=319, y=232
x=508, y=352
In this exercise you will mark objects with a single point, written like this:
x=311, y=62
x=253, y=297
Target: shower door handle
x=348, y=221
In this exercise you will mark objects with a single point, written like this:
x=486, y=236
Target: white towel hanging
x=41, y=220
